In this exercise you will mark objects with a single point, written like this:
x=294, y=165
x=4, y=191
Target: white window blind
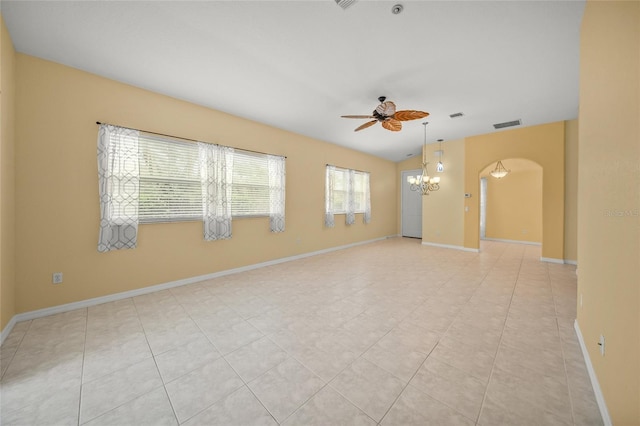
x=250, y=188
x=360, y=189
x=170, y=187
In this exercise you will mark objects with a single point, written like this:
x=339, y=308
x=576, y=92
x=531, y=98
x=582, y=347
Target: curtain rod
x=190, y=140
x=346, y=168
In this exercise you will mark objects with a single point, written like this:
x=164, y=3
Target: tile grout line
x=153, y=356
x=84, y=352
x=16, y=351
x=515, y=284
x=223, y=357
x=434, y=347
x=564, y=358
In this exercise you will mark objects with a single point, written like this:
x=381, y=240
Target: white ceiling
x=299, y=65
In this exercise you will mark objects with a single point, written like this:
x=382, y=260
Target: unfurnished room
x=320, y=212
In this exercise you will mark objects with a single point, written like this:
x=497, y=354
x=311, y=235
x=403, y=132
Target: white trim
x=571, y=262
x=7, y=329
x=602, y=405
x=449, y=246
x=500, y=240
x=552, y=260
x=25, y=316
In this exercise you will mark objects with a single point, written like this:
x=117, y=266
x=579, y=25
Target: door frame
x=403, y=180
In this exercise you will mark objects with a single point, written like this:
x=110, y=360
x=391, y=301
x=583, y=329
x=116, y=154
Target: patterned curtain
x=118, y=187
x=329, y=220
x=350, y=206
x=277, y=174
x=367, y=192
x=216, y=176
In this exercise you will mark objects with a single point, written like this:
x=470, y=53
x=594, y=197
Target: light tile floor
x=390, y=333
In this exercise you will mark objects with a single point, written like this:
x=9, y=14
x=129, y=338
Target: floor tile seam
x=262, y=404
x=564, y=358
x=493, y=366
x=120, y=405
x=24, y=334
x=205, y=408
x=459, y=312
x=153, y=356
x=348, y=364
x=541, y=406
x=446, y=403
x=566, y=372
x=325, y=385
x=246, y=383
x=530, y=370
x=13, y=355
x=84, y=353
x=409, y=383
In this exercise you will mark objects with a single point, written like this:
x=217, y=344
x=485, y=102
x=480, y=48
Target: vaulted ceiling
x=300, y=65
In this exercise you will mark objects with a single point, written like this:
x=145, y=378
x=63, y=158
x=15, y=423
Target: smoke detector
x=397, y=9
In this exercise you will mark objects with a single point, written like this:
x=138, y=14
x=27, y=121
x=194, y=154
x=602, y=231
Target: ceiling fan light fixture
x=344, y=4
x=397, y=9
x=387, y=116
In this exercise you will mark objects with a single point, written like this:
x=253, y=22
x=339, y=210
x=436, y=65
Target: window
x=250, y=187
x=170, y=187
x=346, y=192
x=340, y=191
x=145, y=178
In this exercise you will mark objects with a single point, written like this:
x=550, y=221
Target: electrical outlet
x=57, y=278
x=601, y=344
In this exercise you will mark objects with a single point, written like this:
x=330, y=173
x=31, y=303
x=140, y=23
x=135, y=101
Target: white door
x=411, y=202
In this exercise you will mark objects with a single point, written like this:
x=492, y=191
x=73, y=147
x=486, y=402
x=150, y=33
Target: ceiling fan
x=386, y=114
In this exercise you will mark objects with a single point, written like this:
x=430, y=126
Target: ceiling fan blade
x=393, y=125
x=409, y=114
x=386, y=109
x=357, y=116
x=367, y=124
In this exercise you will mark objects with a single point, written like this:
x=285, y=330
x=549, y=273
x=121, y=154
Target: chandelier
x=499, y=172
x=423, y=182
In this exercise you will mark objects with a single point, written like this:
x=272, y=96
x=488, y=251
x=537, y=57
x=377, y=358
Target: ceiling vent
x=456, y=115
x=507, y=124
x=345, y=3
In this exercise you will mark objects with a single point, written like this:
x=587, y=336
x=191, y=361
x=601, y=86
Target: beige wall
x=443, y=210
x=571, y=191
x=57, y=199
x=7, y=177
x=514, y=205
x=543, y=144
x=609, y=201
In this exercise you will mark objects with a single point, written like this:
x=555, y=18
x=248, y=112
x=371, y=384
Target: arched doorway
x=511, y=206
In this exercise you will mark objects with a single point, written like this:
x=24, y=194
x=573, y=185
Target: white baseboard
x=500, y=240
x=449, y=246
x=606, y=419
x=571, y=262
x=552, y=260
x=25, y=316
